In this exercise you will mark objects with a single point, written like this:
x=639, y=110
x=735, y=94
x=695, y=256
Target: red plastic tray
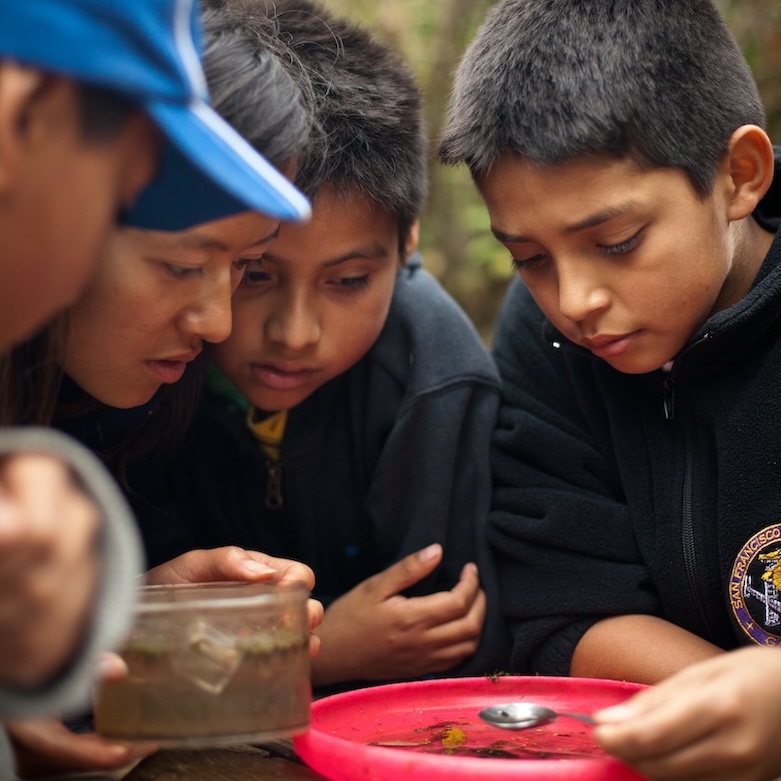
x=449, y=741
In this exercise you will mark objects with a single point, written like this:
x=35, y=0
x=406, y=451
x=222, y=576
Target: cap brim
x=208, y=171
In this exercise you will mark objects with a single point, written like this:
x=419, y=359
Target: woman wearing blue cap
x=96, y=97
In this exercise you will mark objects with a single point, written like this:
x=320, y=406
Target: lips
x=610, y=346
x=169, y=370
x=280, y=378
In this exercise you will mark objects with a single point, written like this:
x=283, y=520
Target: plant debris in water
x=450, y=738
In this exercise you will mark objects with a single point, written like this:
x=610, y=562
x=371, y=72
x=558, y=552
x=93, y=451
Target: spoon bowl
x=525, y=715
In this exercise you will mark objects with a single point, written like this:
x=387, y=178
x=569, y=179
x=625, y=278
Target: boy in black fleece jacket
x=350, y=421
x=620, y=152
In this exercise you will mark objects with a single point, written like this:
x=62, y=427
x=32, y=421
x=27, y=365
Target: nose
x=210, y=317
x=294, y=322
x=581, y=292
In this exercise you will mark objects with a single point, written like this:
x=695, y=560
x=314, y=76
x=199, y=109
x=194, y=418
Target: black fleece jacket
x=389, y=457
x=655, y=494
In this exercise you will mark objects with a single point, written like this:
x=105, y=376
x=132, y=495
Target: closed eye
x=525, y=264
x=623, y=247
x=352, y=283
x=180, y=272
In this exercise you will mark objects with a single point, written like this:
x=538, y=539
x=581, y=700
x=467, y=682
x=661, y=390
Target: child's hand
x=718, y=720
x=48, y=567
x=234, y=563
x=374, y=633
x=229, y=563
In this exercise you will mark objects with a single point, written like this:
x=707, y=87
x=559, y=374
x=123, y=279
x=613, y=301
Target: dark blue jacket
x=379, y=462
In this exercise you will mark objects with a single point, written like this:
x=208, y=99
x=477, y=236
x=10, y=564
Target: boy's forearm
x=638, y=648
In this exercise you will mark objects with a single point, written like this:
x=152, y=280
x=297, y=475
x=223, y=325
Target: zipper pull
x=668, y=388
x=273, y=485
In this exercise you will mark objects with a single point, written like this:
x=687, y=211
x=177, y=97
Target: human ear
x=411, y=243
x=140, y=157
x=750, y=162
x=18, y=90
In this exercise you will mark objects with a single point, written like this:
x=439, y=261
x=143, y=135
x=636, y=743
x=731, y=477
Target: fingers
x=468, y=586
x=716, y=719
x=287, y=570
x=45, y=746
x=404, y=573
x=314, y=646
x=315, y=613
x=644, y=735
x=460, y=628
x=110, y=667
x=205, y=566
x=697, y=761
x=446, y=606
x=230, y=563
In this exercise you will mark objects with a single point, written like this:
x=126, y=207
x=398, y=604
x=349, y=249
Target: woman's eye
x=524, y=264
x=623, y=247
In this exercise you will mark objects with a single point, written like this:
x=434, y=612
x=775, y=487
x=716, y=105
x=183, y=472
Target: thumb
x=40, y=744
x=407, y=572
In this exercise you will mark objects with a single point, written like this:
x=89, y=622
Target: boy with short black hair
x=620, y=152
x=350, y=423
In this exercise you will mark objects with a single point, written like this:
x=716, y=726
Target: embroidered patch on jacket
x=755, y=585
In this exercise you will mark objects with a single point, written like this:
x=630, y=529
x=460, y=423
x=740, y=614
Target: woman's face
x=155, y=300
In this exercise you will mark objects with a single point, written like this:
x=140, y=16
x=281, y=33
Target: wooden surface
x=235, y=763
x=274, y=761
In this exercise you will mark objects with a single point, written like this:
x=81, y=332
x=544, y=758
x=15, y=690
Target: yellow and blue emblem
x=755, y=585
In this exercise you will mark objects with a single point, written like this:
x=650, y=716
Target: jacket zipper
x=688, y=546
x=668, y=397
x=273, y=485
x=687, y=542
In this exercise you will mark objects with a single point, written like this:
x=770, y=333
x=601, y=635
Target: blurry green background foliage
x=432, y=34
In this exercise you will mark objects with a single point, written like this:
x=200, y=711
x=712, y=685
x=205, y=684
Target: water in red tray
x=431, y=731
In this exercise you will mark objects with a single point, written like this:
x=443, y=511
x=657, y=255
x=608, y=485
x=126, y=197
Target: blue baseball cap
x=149, y=51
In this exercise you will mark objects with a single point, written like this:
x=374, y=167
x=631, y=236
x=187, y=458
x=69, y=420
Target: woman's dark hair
x=256, y=82
x=30, y=385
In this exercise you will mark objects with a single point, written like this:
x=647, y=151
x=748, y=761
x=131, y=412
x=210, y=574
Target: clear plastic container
x=211, y=664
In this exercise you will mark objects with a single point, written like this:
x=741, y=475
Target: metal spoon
x=523, y=715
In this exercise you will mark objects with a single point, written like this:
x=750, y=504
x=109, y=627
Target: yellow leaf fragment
x=453, y=737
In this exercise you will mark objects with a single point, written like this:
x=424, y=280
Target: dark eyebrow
x=375, y=251
x=589, y=222
x=209, y=242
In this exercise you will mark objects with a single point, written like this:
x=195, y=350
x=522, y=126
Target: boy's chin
x=638, y=364
x=280, y=401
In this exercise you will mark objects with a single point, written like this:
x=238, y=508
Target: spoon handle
x=580, y=717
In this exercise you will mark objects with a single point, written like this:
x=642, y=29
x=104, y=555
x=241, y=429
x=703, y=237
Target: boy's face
x=156, y=297
x=314, y=305
x=59, y=195
x=625, y=262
